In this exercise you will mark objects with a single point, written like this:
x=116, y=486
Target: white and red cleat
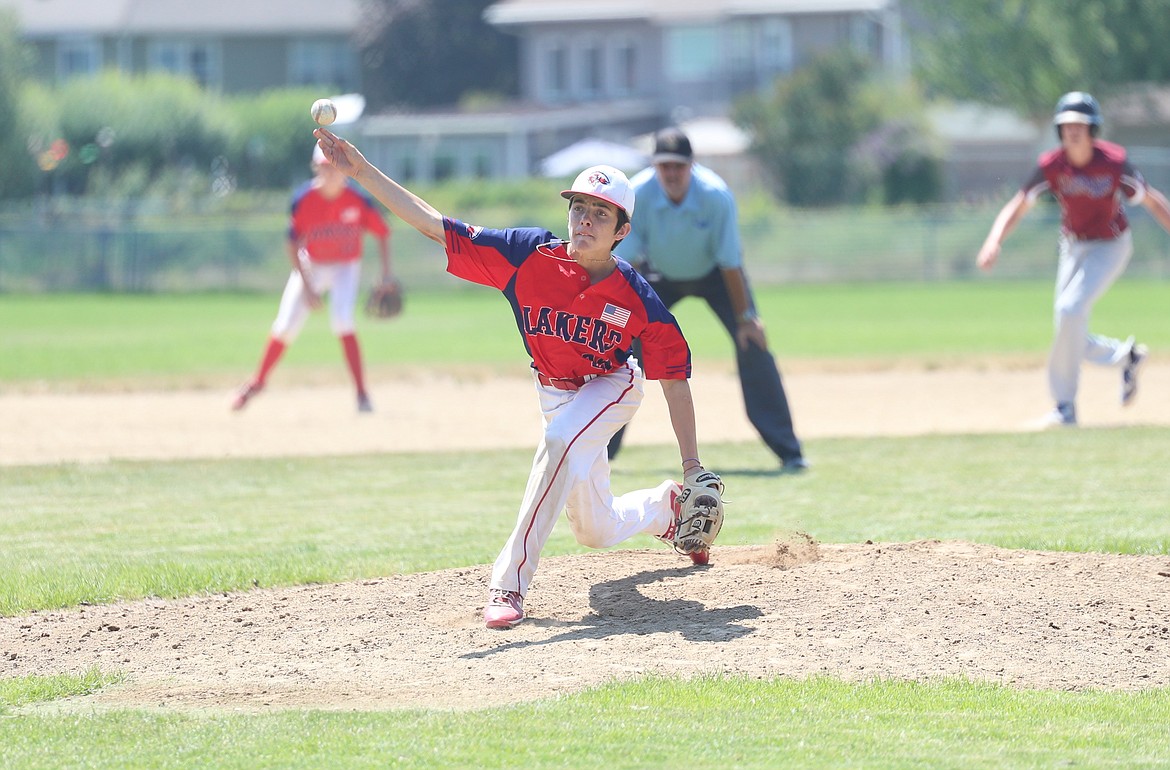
x=504, y=609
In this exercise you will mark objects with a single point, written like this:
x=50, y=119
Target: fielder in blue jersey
x=685, y=241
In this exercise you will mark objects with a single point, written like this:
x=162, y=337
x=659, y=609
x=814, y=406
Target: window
x=78, y=56
x=330, y=63
x=593, y=71
x=776, y=54
x=740, y=52
x=556, y=72
x=863, y=34
x=625, y=80
x=692, y=52
x=483, y=166
x=198, y=60
x=444, y=168
x=407, y=169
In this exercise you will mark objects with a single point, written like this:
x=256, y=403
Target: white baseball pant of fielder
x=342, y=281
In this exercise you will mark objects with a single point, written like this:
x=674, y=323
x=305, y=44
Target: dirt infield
x=424, y=411
x=793, y=608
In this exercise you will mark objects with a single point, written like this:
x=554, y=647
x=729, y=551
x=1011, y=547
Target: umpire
x=685, y=241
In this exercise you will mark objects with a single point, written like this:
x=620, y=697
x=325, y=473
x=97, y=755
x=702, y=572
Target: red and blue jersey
x=331, y=229
x=571, y=327
x=1090, y=196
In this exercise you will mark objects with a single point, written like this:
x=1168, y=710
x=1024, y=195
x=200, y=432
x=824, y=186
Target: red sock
x=353, y=356
x=272, y=354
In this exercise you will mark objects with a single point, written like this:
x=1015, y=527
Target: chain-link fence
x=124, y=249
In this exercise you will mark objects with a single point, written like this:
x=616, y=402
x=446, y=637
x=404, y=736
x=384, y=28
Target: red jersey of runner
x=1090, y=196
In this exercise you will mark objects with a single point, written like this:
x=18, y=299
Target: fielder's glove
x=700, y=511
x=385, y=300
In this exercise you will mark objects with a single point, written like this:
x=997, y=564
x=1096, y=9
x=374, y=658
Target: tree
x=1138, y=51
x=17, y=171
x=1024, y=54
x=430, y=53
x=834, y=132
x=803, y=132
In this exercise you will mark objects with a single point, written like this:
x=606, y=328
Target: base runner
x=1089, y=178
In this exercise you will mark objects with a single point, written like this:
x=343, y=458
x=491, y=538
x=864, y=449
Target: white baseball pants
x=340, y=280
x=570, y=472
x=1086, y=271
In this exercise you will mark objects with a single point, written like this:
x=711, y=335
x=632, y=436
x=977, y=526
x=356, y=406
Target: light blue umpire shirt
x=687, y=241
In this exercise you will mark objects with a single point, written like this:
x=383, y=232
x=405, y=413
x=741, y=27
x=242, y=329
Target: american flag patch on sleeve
x=618, y=316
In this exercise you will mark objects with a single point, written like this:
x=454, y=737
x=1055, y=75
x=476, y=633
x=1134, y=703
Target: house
x=1137, y=118
x=617, y=69
x=611, y=70
x=231, y=46
x=987, y=151
x=690, y=55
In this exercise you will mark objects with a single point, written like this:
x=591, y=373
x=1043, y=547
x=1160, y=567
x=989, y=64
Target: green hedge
x=114, y=134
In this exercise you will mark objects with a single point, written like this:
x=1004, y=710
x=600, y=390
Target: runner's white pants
x=1086, y=271
x=570, y=472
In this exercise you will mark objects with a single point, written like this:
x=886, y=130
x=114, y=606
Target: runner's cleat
x=1063, y=416
x=1129, y=375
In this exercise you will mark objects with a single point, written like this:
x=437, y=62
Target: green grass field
x=96, y=533
x=185, y=340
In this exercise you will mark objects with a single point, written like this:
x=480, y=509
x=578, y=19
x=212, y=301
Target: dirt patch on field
x=426, y=411
x=859, y=611
x=793, y=608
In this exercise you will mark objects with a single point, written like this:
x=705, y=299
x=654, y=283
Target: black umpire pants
x=763, y=391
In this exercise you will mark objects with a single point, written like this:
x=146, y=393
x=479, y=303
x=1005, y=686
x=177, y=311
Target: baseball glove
x=700, y=511
x=385, y=300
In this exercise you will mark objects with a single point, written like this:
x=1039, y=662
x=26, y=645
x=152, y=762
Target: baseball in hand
x=323, y=111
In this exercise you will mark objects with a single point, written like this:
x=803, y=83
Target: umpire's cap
x=604, y=183
x=671, y=145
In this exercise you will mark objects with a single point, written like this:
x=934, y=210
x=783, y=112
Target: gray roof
x=1141, y=104
x=45, y=18
x=961, y=122
x=665, y=11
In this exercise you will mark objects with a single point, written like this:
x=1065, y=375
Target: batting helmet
x=1078, y=107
